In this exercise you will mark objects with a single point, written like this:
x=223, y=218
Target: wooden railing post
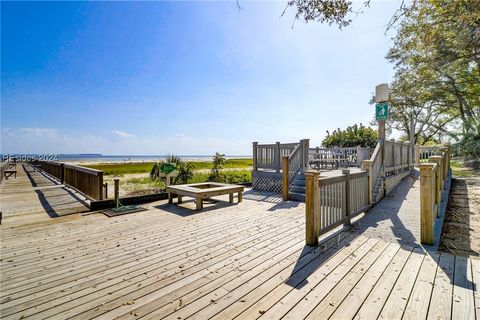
x=417, y=155
x=346, y=172
x=438, y=181
x=277, y=157
x=445, y=167
x=305, y=146
x=367, y=166
x=62, y=173
x=393, y=156
x=100, y=185
x=116, y=192
x=359, y=155
x=312, y=208
x=426, y=202
x=255, y=156
x=285, y=177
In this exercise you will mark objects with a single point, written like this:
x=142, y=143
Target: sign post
x=381, y=108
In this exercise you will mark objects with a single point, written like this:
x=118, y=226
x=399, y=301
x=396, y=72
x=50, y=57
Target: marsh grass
x=461, y=170
x=119, y=169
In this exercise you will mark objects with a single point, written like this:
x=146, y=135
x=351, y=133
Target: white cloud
x=40, y=131
x=46, y=140
x=122, y=134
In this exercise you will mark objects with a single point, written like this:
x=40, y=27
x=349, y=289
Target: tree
x=352, y=136
x=218, y=164
x=324, y=11
x=436, y=54
x=185, y=170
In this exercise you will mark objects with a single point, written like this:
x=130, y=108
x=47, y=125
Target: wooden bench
x=205, y=190
x=9, y=173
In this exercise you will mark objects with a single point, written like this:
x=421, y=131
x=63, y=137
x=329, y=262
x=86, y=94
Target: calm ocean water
x=122, y=158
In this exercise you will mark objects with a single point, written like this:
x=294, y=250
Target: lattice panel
x=393, y=181
x=266, y=184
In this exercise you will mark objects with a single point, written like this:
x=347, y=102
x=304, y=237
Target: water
x=120, y=158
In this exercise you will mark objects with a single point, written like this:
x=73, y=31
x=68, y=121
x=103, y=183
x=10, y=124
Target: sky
x=188, y=78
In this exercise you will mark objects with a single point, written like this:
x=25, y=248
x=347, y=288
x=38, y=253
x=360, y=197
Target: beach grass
x=145, y=167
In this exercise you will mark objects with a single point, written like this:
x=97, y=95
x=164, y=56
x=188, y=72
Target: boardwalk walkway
x=396, y=218
x=243, y=261
x=34, y=197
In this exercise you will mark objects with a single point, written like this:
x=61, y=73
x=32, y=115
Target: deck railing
x=4, y=166
x=336, y=157
x=87, y=181
x=423, y=153
x=433, y=179
x=333, y=201
x=268, y=157
x=374, y=166
x=53, y=168
x=398, y=156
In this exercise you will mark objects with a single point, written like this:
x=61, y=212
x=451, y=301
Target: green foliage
x=470, y=146
x=184, y=172
x=437, y=75
x=173, y=159
x=184, y=169
x=324, y=11
x=217, y=166
x=352, y=136
x=233, y=176
x=119, y=169
x=156, y=171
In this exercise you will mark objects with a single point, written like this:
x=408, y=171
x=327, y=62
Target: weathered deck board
x=243, y=261
x=33, y=197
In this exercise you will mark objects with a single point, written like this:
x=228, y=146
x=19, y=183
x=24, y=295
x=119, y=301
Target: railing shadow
x=51, y=212
x=263, y=196
x=183, y=211
x=387, y=209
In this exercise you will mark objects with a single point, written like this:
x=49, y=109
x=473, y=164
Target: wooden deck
x=228, y=261
x=34, y=197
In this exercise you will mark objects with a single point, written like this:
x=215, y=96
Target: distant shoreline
x=117, y=159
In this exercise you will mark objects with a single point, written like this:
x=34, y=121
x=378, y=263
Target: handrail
x=294, y=163
x=268, y=156
x=86, y=180
x=84, y=169
x=333, y=201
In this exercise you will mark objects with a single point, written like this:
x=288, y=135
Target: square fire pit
x=204, y=190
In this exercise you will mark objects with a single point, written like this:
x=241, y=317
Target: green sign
x=381, y=111
x=167, y=168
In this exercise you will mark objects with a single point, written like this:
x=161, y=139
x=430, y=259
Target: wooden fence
x=87, y=181
x=333, y=201
x=325, y=158
x=398, y=156
x=423, y=153
x=433, y=178
x=268, y=156
x=53, y=168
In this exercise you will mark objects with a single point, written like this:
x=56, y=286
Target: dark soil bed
x=461, y=228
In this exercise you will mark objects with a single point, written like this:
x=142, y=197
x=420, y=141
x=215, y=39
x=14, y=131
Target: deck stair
x=296, y=191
